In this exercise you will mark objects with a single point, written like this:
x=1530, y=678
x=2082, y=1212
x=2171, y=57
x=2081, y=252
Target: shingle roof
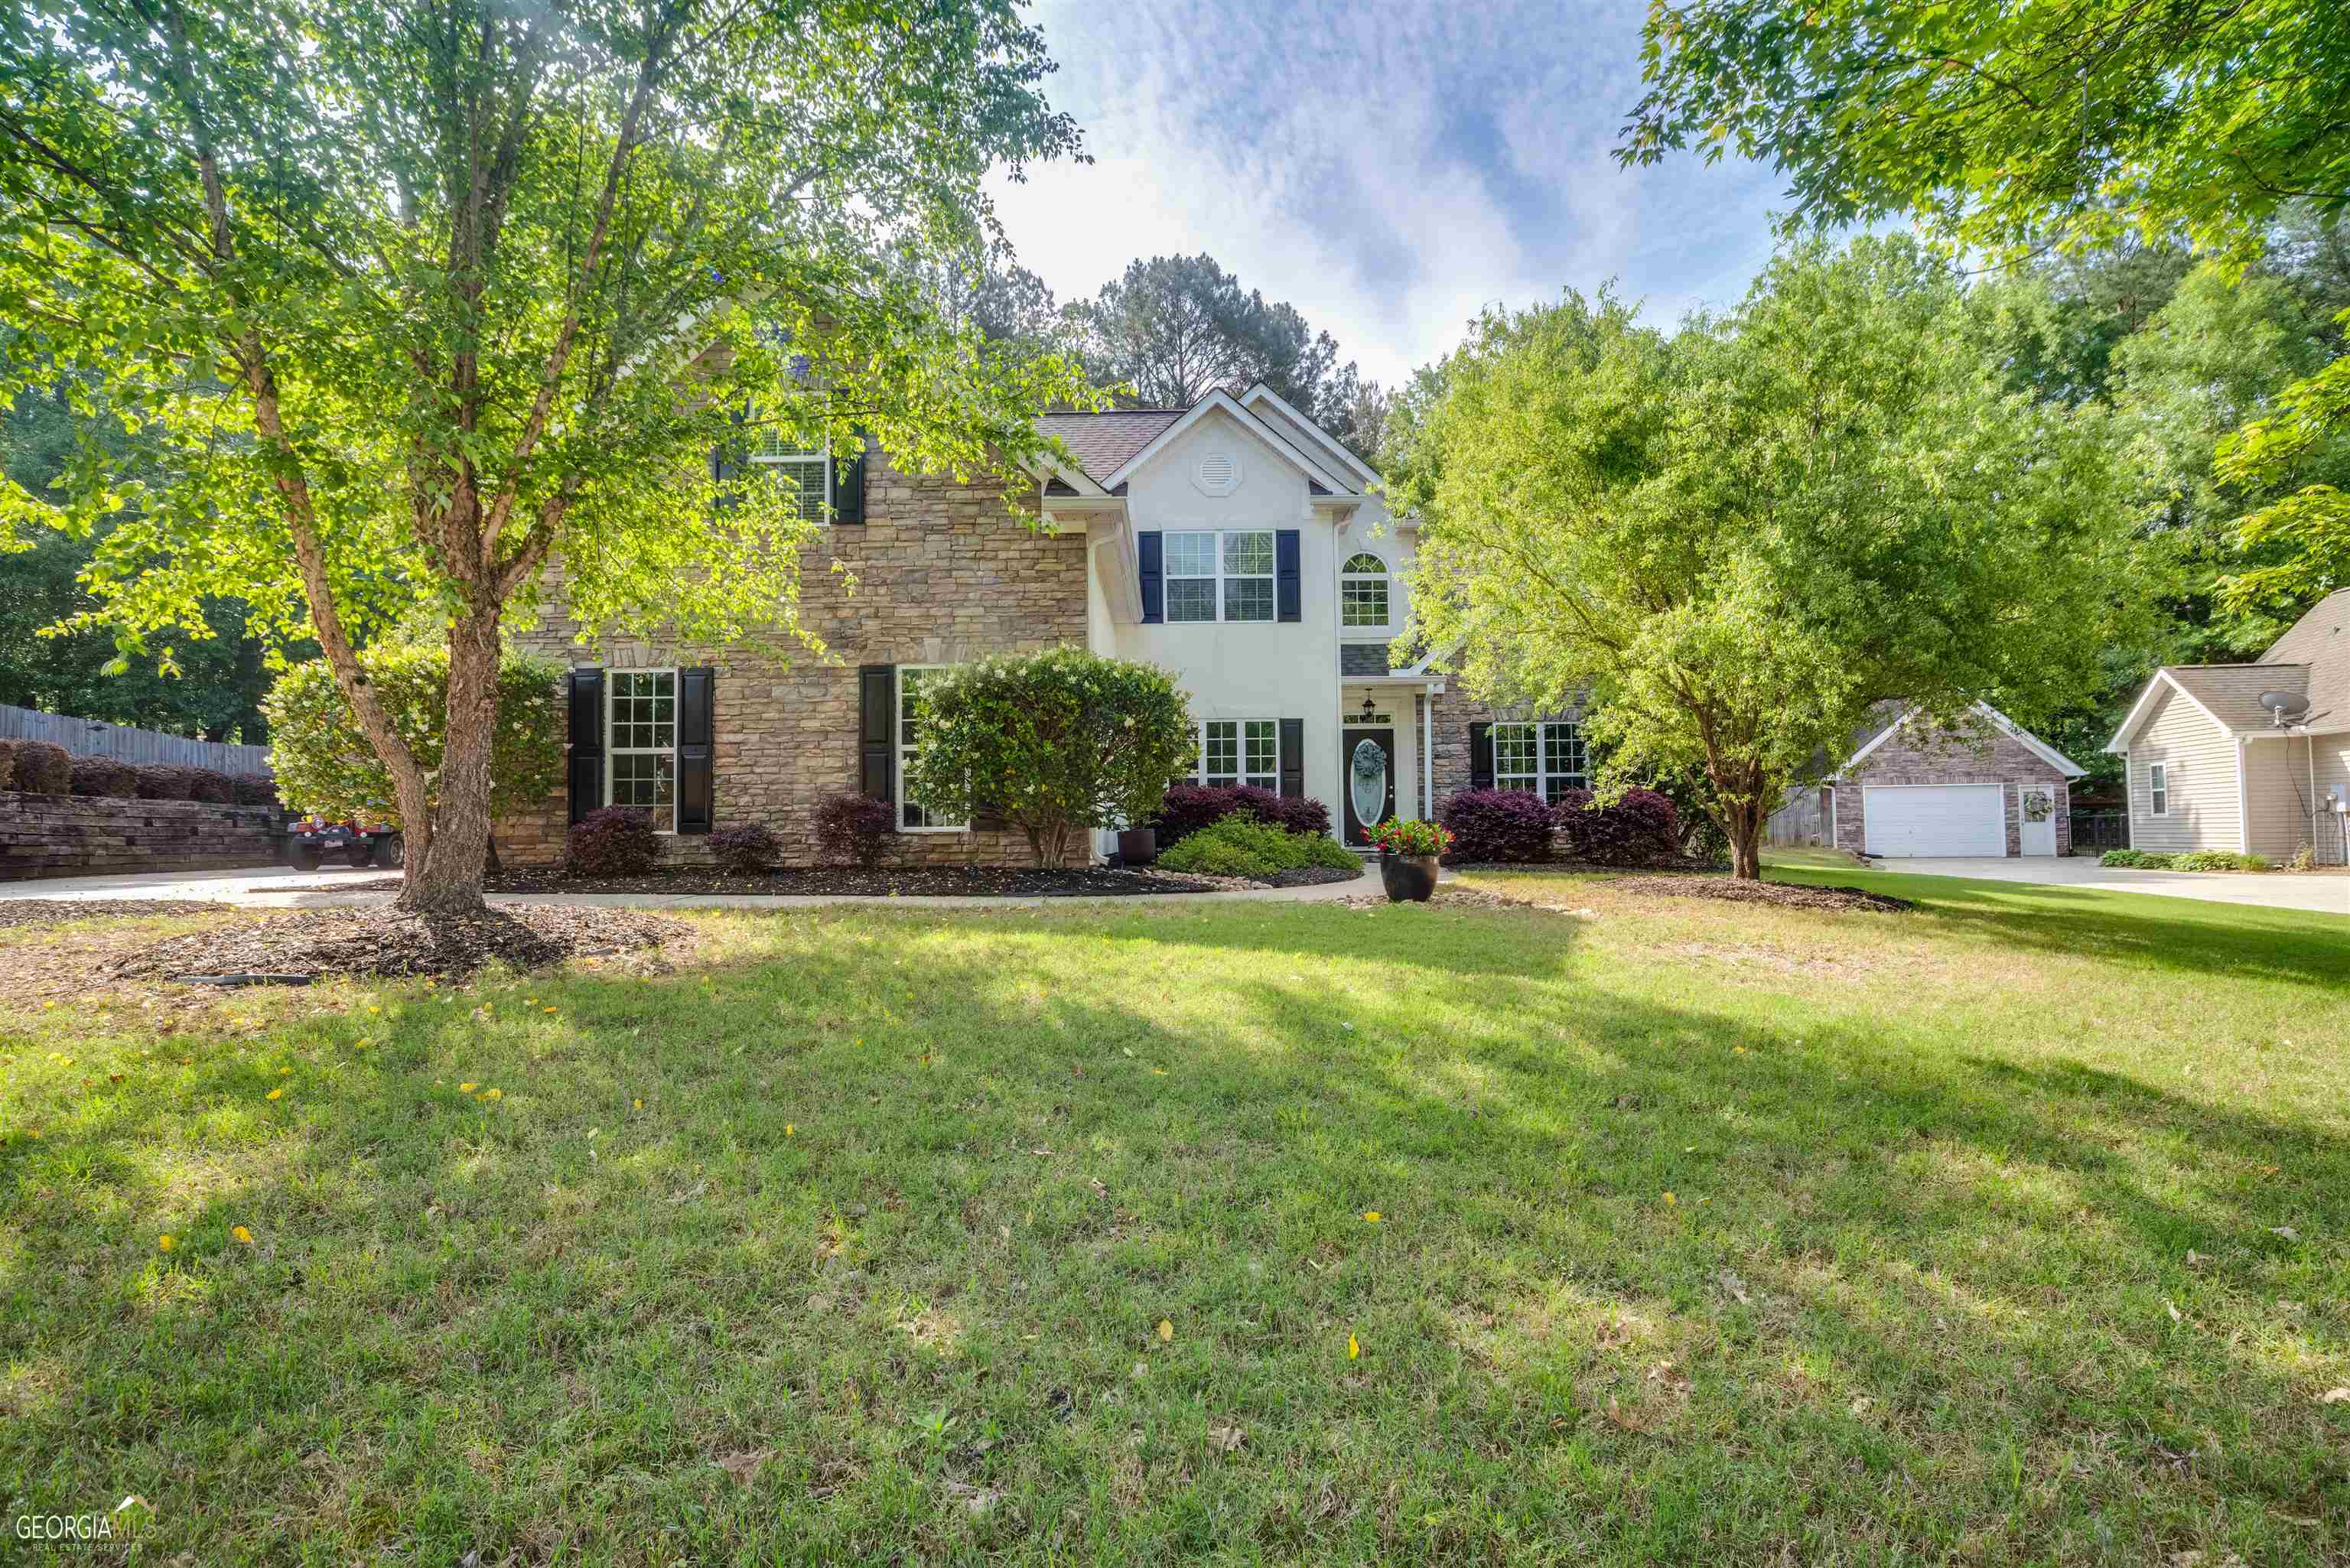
x=2320, y=641
x=2232, y=692
x=1104, y=443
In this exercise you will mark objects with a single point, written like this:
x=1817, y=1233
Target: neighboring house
x=2212, y=767
x=1987, y=789
x=1231, y=542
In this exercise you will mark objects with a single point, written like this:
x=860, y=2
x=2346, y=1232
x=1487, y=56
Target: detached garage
x=1989, y=790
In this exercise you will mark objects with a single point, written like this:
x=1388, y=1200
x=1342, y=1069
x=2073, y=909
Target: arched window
x=1363, y=591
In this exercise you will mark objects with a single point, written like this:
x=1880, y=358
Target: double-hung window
x=2157, y=788
x=642, y=743
x=810, y=473
x=1240, y=751
x=1545, y=759
x=912, y=816
x=1213, y=575
x=1363, y=591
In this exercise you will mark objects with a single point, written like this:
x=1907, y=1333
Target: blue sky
x=1388, y=167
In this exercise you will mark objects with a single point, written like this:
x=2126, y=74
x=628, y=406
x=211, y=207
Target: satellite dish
x=2284, y=707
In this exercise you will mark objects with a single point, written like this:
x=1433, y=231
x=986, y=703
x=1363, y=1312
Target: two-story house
x=1231, y=542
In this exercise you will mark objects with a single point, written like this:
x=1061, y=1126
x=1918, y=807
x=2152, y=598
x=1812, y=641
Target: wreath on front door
x=2039, y=805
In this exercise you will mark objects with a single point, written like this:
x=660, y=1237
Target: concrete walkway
x=2320, y=892
x=276, y=888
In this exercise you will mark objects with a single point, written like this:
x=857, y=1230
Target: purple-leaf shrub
x=1497, y=825
x=1187, y=808
x=612, y=841
x=105, y=776
x=853, y=828
x=750, y=847
x=1634, y=831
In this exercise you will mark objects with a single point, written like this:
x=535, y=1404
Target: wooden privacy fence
x=1798, y=821
x=97, y=738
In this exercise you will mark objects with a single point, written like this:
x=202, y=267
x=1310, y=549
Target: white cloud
x=1388, y=169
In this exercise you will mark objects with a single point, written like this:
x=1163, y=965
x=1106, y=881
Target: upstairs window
x=810, y=473
x=1545, y=759
x=1213, y=575
x=1363, y=591
x=641, y=706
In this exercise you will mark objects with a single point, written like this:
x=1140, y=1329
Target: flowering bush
x=612, y=841
x=1410, y=839
x=750, y=847
x=1187, y=808
x=852, y=827
x=1634, y=831
x=1498, y=825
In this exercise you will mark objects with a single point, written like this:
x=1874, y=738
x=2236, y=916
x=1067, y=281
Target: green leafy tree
x=407, y=306
x=1055, y=743
x=1176, y=328
x=1741, y=537
x=324, y=765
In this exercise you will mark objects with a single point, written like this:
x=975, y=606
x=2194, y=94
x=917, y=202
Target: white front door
x=1935, y=820
x=2039, y=838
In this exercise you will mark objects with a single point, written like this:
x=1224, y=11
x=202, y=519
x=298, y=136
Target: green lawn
x=2013, y=1229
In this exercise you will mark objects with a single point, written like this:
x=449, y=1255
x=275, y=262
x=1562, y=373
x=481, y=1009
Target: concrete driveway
x=2323, y=892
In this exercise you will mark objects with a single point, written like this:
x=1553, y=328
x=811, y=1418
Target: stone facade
x=1940, y=757
x=941, y=575
x=95, y=836
x=1455, y=711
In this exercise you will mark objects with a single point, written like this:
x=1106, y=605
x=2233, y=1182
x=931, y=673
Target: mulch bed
x=1785, y=894
x=885, y=881
x=390, y=943
x=57, y=911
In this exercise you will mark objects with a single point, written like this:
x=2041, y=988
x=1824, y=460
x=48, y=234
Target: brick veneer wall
x=942, y=575
x=89, y=836
x=1943, y=758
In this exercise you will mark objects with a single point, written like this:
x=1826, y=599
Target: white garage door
x=1935, y=819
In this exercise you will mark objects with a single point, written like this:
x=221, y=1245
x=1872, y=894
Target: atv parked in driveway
x=360, y=844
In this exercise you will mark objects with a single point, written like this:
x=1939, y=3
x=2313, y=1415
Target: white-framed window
x=2157, y=788
x=912, y=816
x=1214, y=576
x=1363, y=590
x=640, y=742
x=810, y=471
x=1239, y=752
x=1545, y=759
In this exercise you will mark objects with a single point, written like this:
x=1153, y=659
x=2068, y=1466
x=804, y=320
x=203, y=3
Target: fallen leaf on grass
x=743, y=1467
x=2287, y=1232
x=1166, y=1331
x=1354, y=1351
x=1226, y=1438
x=2334, y=1397
x=1734, y=1286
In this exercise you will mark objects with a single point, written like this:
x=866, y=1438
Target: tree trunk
x=1745, y=839
x=449, y=878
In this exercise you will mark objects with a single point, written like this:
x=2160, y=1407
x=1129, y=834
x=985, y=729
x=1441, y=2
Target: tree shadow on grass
x=870, y=1165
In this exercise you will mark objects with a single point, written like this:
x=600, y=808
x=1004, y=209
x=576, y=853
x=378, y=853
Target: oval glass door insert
x=1368, y=781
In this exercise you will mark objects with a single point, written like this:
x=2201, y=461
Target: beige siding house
x=2255, y=757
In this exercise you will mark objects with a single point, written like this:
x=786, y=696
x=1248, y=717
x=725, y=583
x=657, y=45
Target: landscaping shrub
x=1635, y=831
x=105, y=776
x=1242, y=845
x=2304, y=859
x=750, y=847
x=254, y=789
x=612, y=841
x=1498, y=825
x=852, y=828
x=39, y=767
x=161, y=781
x=1186, y=808
x=2219, y=860
x=212, y=786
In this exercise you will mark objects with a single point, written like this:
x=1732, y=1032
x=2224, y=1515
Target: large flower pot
x=1137, y=846
x=1407, y=877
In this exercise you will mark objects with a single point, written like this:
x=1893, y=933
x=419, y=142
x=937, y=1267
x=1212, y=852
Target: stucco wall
x=943, y=575
x=2201, y=761
x=1940, y=757
x=84, y=835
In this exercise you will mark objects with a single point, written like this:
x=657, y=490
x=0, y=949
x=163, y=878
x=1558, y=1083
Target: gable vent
x=1218, y=473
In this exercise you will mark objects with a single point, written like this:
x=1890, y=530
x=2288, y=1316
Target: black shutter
x=876, y=733
x=587, y=767
x=1151, y=545
x=726, y=461
x=848, y=487
x=1287, y=587
x=696, y=697
x=1480, y=756
x=1293, y=758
